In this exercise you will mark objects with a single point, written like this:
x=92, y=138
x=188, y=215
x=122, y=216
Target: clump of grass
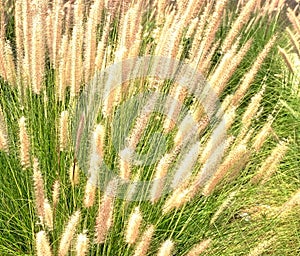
x=156, y=166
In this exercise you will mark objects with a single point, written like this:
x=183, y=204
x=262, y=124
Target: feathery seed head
x=63, y=130
x=48, y=215
x=42, y=244
x=3, y=140
x=133, y=226
x=199, y=248
x=261, y=247
x=287, y=59
x=99, y=138
x=38, y=189
x=270, y=165
x=294, y=19
x=223, y=206
x=166, y=248
x=3, y=133
x=287, y=207
x=144, y=243
x=104, y=219
x=184, y=169
x=261, y=137
x=179, y=197
x=242, y=19
x=24, y=144
x=125, y=160
x=82, y=245
x=251, y=111
x=95, y=158
x=68, y=234
x=10, y=71
x=89, y=194
x=160, y=175
x=250, y=75
x=37, y=53
x=226, y=167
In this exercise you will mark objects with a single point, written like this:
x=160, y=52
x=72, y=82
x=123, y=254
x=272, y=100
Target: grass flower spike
x=42, y=244
x=133, y=226
x=82, y=245
x=68, y=234
x=24, y=144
